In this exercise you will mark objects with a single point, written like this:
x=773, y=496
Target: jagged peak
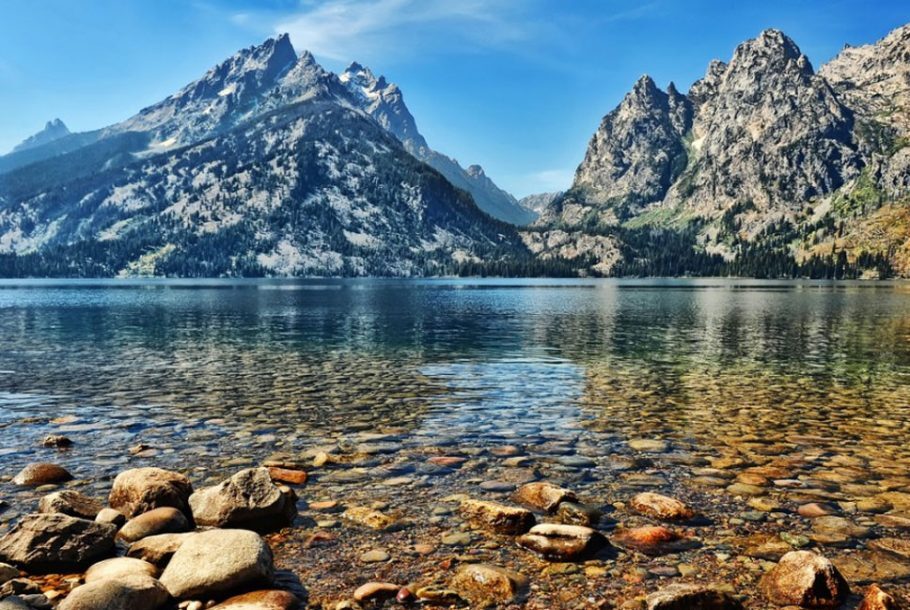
x=771, y=48
x=56, y=124
x=476, y=171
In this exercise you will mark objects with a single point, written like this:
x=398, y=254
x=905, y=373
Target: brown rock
x=35, y=475
x=691, y=597
x=72, y=503
x=368, y=517
x=876, y=599
x=485, y=586
x=814, y=510
x=498, y=517
x=112, y=516
x=899, y=547
x=804, y=578
x=159, y=549
x=287, y=475
x=164, y=520
x=272, y=599
x=140, y=490
x=542, y=496
x=376, y=591
x=126, y=593
x=56, y=441
x=661, y=507
x=449, y=461
x=120, y=567
x=562, y=542
x=650, y=540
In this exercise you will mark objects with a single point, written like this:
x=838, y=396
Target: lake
x=746, y=399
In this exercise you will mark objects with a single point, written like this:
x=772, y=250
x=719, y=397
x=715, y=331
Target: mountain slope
x=760, y=169
x=53, y=130
x=262, y=166
x=385, y=103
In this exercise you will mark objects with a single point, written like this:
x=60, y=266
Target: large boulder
x=55, y=542
x=140, y=490
x=165, y=520
x=485, y=586
x=216, y=561
x=691, y=597
x=248, y=500
x=804, y=578
x=35, y=475
x=72, y=503
x=137, y=592
x=876, y=599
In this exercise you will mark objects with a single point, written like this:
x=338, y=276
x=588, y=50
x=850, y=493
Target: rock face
x=124, y=593
x=34, y=475
x=70, y=503
x=140, y=490
x=485, y=586
x=249, y=499
x=762, y=146
x=803, y=578
x=165, y=520
x=691, y=597
x=48, y=542
x=216, y=561
x=498, y=517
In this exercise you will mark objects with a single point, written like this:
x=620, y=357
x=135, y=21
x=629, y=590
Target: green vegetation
x=863, y=197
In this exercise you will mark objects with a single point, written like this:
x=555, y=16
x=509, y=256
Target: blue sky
x=518, y=86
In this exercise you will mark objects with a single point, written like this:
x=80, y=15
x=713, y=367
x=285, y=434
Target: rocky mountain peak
x=476, y=171
x=53, y=130
x=772, y=50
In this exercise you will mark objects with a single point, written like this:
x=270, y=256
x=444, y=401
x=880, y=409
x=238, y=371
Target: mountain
x=53, y=130
x=538, y=202
x=385, y=103
x=764, y=167
x=265, y=165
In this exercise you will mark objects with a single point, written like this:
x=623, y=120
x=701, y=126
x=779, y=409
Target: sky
x=518, y=86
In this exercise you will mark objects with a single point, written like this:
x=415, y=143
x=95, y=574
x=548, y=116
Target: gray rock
x=118, y=568
x=165, y=520
x=249, y=499
x=159, y=549
x=55, y=542
x=7, y=573
x=72, y=503
x=35, y=475
x=216, y=561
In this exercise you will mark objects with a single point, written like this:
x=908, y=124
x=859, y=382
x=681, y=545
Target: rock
x=56, y=441
x=813, y=510
x=112, y=516
x=271, y=599
x=497, y=517
x=542, y=496
x=899, y=547
x=216, y=561
x=661, y=507
x=837, y=531
x=288, y=475
x=7, y=573
x=572, y=513
x=562, y=542
x=368, y=517
x=804, y=578
x=651, y=540
x=35, y=475
x=120, y=567
x=867, y=567
x=124, y=593
x=374, y=556
x=159, y=549
x=22, y=587
x=164, y=520
x=691, y=597
x=649, y=445
x=373, y=591
x=485, y=585
x=876, y=599
x=54, y=542
x=72, y=503
x=247, y=500
x=140, y=490
x=14, y=603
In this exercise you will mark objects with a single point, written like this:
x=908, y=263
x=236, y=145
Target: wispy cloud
x=387, y=29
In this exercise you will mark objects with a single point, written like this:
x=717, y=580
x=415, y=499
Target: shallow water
x=797, y=389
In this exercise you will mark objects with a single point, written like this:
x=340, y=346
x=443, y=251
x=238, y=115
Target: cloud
x=344, y=30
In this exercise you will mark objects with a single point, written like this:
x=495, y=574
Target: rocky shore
x=273, y=537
